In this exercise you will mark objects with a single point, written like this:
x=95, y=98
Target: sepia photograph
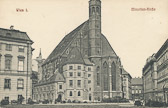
x=83, y=53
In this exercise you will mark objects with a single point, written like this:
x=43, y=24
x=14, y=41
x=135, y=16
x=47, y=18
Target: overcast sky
x=134, y=35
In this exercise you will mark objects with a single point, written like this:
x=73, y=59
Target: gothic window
x=93, y=9
x=105, y=71
x=113, y=73
x=0, y=46
x=97, y=10
x=98, y=75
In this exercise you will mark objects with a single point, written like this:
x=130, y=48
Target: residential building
x=126, y=78
x=150, y=79
x=15, y=64
x=137, y=88
x=155, y=73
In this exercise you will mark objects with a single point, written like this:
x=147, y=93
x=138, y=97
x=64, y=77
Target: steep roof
x=136, y=81
x=107, y=50
x=75, y=57
x=14, y=34
x=124, y=72
x=57, y=77
x=65, y=42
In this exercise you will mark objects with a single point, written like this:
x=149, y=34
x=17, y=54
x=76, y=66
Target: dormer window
x=8, y=34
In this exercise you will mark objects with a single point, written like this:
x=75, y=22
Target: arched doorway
x=59, y=99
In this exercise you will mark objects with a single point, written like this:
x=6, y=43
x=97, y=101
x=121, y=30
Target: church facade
x=83, y=66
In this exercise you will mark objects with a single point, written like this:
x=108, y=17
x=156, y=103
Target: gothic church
x=83, y=66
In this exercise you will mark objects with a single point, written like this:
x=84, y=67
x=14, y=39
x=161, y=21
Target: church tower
x=94, y=28
x=95, y=45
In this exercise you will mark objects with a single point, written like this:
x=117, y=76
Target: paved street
x=102, y=105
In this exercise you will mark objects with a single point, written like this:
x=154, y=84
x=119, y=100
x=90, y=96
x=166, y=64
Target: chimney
x=11, y=27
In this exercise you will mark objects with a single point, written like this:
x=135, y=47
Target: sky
x=134, y=35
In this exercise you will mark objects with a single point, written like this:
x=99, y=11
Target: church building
x=83, y=66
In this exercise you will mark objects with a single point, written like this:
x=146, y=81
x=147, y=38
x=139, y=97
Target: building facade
x=155, y=75
x=15, y=65
x=150, y=79
x=95, y=49
x=137, y=88
x=127, y=91
x=74, y=84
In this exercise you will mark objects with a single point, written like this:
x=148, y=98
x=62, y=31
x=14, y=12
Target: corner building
x=15, y=65
x=95, y=49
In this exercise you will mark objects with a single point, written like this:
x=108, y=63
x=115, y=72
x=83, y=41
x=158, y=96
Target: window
x=70, y=83
x=7, y=84
x=20, y=64
x=79, y=83
x=70, y=94
x=132, y=91
x=60, y=86
x=70, y=67
x=139, y=91
x=7, y=98
x=89, y=69
x=70, y=74
x=8, y=47
x=89, y=81
x=90, y=89
x=0, y=61
x=0, y=46
x=20, y=84
x=79, y=94
x=8, y=62
x=21, y=49
x=89, y=75
x=79, y=67
x=79, y=73
x=136, y=91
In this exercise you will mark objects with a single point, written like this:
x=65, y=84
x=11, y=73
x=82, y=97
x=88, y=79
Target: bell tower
x=94, y=28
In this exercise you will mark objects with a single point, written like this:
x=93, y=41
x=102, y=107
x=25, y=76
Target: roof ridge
x=71, y=34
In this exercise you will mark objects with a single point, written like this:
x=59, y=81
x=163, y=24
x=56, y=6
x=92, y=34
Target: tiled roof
x=65, y=42
x=136, y=81
x=57, y=77
x=75, y=57
x=14, y=34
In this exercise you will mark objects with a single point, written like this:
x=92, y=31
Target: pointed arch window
x=97, y=10
x=105, y=71
x=93, y=9
x=98, y=75
x=113, y=73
